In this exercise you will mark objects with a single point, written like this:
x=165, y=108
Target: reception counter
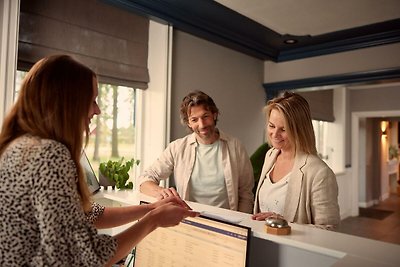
x=305, y=246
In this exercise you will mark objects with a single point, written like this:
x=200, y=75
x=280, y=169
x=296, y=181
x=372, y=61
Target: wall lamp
x=384, y=126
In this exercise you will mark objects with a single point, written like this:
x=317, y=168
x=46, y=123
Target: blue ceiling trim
x=214, y=22
x=273, y=89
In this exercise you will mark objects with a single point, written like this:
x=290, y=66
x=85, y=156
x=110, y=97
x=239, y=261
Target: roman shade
x=111, y=41
x=321, y=104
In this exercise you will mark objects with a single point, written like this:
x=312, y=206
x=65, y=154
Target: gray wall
x=232, y=79
x=370, y=188
x=373, y=99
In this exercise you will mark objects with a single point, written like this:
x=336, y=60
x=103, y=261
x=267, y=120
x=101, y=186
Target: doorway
x=358, y=151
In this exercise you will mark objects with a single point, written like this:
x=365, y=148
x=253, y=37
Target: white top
x=272, y=195
x=207, y=182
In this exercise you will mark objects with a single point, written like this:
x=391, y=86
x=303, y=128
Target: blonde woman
x=295, y=183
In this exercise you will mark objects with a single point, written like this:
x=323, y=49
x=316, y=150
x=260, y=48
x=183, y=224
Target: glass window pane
x=19, y=76
x=113, y=131
x=321, y=130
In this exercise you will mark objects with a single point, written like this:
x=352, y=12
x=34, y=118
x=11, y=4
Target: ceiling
x=265, y=28
x=315, y=17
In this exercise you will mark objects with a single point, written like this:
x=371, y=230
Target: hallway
x=379, y=222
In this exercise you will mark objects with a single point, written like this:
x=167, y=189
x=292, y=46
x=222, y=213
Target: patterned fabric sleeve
x=67, y=239
x=95, y=213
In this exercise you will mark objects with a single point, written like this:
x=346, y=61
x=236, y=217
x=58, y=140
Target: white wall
x=336, y=132
x=234, y=80
x=345, y=193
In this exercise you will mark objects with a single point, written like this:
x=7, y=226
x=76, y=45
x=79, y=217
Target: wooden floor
x=379, y=222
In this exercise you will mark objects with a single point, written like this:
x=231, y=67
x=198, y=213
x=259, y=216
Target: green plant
x=118, y=172
x=257, y=161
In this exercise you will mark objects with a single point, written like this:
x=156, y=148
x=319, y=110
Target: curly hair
x=197, y=98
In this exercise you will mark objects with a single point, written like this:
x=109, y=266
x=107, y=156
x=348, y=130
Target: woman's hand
x=171, y=214
x=167, y=192
x=261, y=216
x=171, y=199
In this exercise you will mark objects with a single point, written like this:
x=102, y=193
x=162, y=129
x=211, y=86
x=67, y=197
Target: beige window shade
x=111, y=41
x=321, y=104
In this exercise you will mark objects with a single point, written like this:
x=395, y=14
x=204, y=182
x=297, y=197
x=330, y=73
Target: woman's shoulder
x=43, y=145
x=315, y=159
x=28, y=146
x=316, y=164
x=29, y=157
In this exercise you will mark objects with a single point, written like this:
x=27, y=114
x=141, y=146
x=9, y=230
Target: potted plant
x=116, y=173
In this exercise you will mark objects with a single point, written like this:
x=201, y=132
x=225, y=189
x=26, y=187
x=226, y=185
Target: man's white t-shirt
x=207, y=182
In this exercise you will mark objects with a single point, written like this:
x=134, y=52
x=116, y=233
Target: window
x=113, y=132
x=326, y=141
x=20, y=75
x=328, y=110
x=320, y=130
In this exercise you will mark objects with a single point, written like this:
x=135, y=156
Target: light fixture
x=290, y=41
x=384, y=126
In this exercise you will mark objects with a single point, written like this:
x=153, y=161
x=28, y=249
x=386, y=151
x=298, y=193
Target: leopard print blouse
x=95, y=213
x=42, y=221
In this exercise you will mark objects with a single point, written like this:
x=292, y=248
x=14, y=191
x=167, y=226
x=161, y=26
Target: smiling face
x=202, y=123
x=94, y=108
x=276, y=129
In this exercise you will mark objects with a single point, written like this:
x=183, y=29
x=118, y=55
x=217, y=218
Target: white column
x=9, y=22
x=153, y=105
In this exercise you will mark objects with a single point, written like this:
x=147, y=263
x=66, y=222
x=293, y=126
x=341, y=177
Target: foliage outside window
x=113, y=131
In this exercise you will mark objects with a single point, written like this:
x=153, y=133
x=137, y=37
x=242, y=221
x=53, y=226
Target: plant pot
x=105, y=181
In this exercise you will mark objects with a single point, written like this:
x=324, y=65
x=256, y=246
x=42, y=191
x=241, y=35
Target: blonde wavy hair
x=298, y=124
